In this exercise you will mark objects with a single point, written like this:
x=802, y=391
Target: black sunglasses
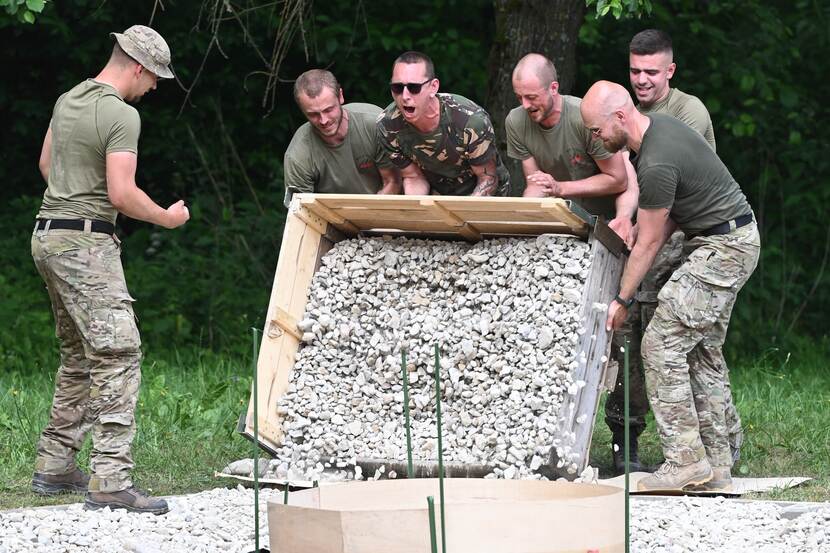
x=414, y=88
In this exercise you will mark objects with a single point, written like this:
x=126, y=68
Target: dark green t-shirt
x=567, y=151
x=464, y=138
x=678, y=170
x=88, y=122
x=311, y=165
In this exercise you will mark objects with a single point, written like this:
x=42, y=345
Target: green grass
x=190, y=402
x=784, y=403
x=186, y=424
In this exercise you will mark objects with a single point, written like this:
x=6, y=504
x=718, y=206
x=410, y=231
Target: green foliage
x=631, y=8
x=21, y=11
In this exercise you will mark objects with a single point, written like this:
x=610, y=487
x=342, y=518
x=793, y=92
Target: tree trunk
x=548, y=27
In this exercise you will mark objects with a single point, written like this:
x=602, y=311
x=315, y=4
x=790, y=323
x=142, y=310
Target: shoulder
x=516, y=118
x=363, y=110
x=390, y=119
x=686, y=103
x=465, y=113
x=298, y=147
x=116, y=108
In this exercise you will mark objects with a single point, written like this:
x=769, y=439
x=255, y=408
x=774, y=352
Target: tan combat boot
x=671, y=477
x=131, y=499
x=721, y=481
x=54, y=484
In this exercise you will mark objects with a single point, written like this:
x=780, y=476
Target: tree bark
x=548, y=27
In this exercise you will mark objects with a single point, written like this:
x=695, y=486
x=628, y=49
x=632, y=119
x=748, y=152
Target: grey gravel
x=506, y=313
x=718, y=525
x=219, y=520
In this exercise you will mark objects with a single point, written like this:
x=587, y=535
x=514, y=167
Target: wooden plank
x=560, y=210
x=316, y=207
x=317, y=223
x=283, y=322
x=292, y=279
x=594, y=344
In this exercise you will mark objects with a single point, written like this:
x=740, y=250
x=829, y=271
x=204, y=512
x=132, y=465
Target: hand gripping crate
x=316, y=222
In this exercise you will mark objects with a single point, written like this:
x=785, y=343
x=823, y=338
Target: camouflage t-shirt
x=464, y=138
x=678, y=170
x=566, y=151
x=88, y=122
x=688, y=109
x=311, y=165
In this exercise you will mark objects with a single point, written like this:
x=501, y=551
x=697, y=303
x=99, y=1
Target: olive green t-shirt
x=311, y=165
x=463, y=138
x=678, y=170
x=88, y=122
x=688, y=109
x=567, y=151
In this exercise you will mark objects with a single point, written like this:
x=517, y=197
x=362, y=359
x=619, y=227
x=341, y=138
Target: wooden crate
x=317, y=221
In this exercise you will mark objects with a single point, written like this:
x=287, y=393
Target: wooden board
x=316, y=221
x=482, y=516
x=592, y=356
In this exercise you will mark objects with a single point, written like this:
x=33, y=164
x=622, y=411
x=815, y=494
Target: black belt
x=75, y=224
x=727, y=227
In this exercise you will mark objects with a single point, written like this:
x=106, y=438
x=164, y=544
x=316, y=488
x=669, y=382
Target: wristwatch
x=625, y=303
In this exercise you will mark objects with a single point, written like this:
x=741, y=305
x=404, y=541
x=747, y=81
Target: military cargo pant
x=683, y=363
x=96, y=387
x=667, y=261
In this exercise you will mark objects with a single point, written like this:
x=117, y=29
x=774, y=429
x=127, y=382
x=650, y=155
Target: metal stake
x=410, y=473
x=440, y=447
x=254, y=355
x=626, y=398
x=432, y=538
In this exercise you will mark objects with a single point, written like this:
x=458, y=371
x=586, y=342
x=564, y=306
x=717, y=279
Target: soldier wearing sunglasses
x=441, y=143
x=335, y=151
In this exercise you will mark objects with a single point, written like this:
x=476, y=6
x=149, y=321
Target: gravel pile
x=506, y=313
x=690, y=525
x=219, y=520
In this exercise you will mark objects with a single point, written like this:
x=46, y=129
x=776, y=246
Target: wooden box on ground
x=481, y=516
x=317, y=221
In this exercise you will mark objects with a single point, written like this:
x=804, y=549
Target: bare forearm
x=136, y=204
x=486, y=185
x=392, y=182
x=596, y=185
x=640, y=261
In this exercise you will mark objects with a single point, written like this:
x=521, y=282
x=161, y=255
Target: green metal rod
x=626, y=399
x=432, y=538
x=440, y=447
x=285, y=494
x=410, y=473
x=255, y=351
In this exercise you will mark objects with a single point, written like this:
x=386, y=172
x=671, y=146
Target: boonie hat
x=146, y=46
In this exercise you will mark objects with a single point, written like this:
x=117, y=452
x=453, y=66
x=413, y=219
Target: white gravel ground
x=222, y=520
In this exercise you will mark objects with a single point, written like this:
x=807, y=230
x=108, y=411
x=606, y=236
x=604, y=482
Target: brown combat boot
x=131, y=499
x=671, y=477
x=54, y=484
x=721, y=481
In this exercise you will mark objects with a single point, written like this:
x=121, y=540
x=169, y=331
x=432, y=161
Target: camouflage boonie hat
x=146, y=46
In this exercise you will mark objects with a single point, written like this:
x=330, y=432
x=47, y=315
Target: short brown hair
x=417, y=57
x=650, y=41
x=312, y=82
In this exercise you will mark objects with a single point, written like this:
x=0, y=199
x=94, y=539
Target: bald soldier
x=559, y=156
x=335, y=151
x=651, y=68
x=683, y=184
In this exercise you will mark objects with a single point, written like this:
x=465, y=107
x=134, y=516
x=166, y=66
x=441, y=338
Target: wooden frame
x=316, y=222
x=484, y=516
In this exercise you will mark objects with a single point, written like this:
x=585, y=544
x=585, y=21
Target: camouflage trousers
x=682, y=347
x=96, y=387
x=668, y=260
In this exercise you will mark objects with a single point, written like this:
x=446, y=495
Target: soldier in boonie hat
x=148, y=48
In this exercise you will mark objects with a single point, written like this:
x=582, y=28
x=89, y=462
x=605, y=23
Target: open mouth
x=409, y=110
